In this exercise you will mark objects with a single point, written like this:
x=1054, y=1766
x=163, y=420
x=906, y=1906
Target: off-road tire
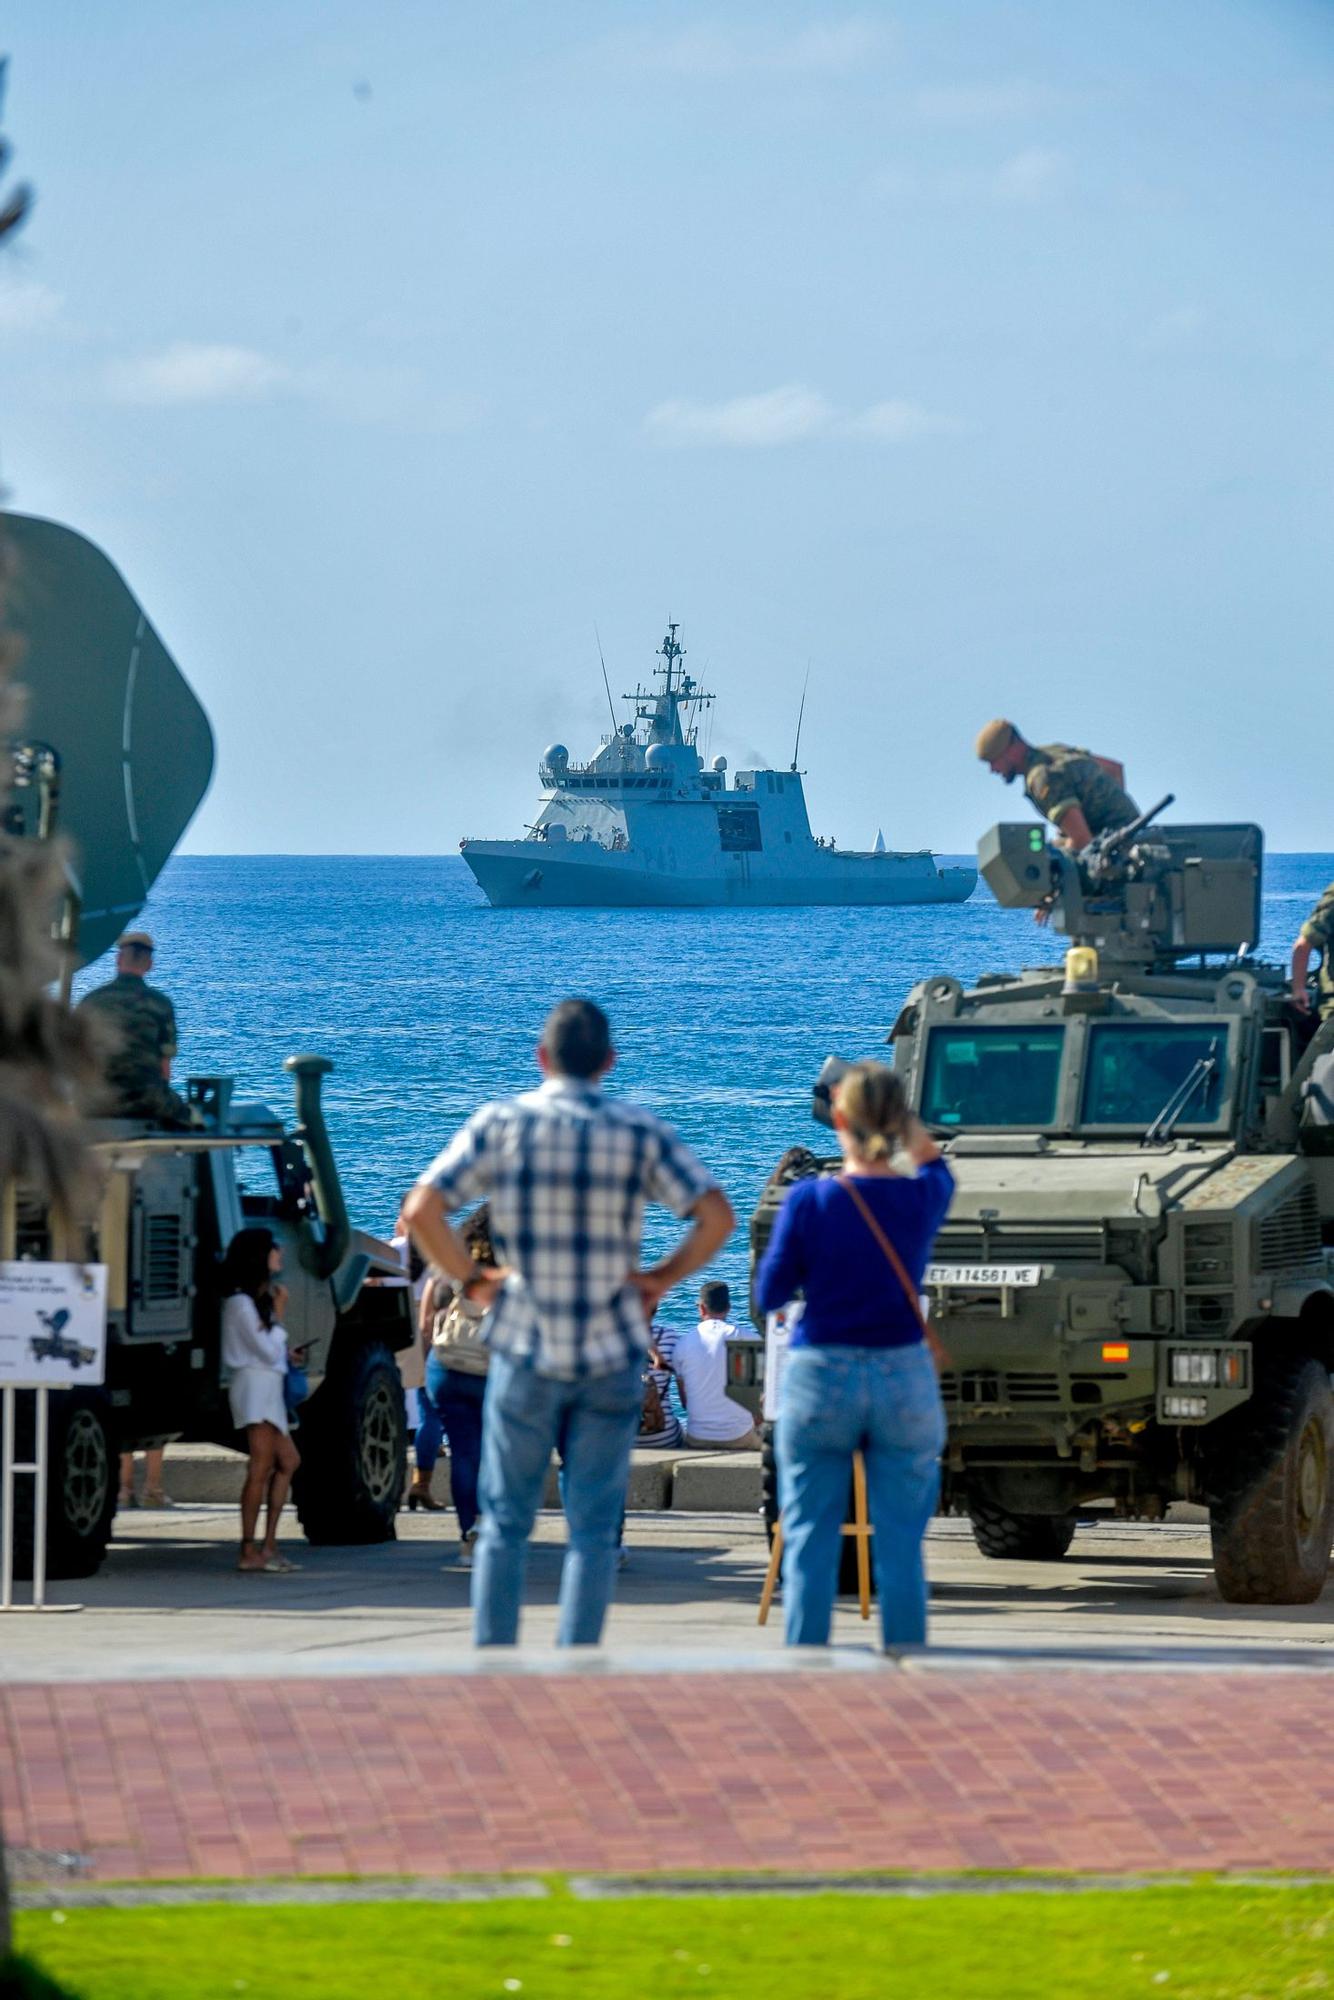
x=1019, y=1537
x=82, y=1481
x=353, y=1442
x=847, y=1559
x=1271, y=1508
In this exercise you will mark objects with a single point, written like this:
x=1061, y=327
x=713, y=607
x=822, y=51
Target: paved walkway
x=924, y=1766
x=169, y=1605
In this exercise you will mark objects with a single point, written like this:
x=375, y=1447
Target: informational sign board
x=53, y=1325
x=778, y=1330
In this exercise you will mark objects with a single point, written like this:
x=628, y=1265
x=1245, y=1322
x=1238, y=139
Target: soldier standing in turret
x=1072, y=788
x=1316, y=934
x=142, y=1021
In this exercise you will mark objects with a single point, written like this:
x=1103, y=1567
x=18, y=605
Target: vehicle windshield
x=1134, y=1069
x=992, y=1076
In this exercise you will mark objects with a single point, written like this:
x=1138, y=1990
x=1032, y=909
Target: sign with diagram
x=53, y=1325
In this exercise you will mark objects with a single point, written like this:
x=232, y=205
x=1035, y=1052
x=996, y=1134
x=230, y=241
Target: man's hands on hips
x=714, y=1220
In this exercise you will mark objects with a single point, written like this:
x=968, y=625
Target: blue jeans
x=452, y=1408
x=885, y=1403
x=592, y=1423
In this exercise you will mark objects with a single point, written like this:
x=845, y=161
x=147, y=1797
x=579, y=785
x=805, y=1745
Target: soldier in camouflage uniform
x=1069, y=787
x=142, y=1024
x=1316, y=934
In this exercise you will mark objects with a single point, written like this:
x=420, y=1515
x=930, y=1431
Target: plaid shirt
x=567, y=1172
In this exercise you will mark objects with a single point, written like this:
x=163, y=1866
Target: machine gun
x=1141, y=901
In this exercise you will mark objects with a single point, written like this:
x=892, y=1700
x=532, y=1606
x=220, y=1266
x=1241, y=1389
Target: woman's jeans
x=885, y=1403
x=452, y=1408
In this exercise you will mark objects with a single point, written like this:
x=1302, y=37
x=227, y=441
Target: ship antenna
x=796, y=747
x=605, y=682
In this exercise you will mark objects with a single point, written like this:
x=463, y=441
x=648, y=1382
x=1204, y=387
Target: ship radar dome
x=718, y=764
x=556, y=755
x=659, y=757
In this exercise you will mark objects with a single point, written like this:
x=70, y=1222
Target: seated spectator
x=699, y=1363
x=659, y=1426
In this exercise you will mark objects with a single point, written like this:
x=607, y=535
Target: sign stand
x=37, y=1467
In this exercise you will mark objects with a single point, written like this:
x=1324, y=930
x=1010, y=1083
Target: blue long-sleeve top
x=821, y=1246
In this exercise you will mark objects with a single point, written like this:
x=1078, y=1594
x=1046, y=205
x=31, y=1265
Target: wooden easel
x=859, y=1527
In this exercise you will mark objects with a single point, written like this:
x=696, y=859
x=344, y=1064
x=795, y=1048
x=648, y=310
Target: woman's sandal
x=280, y=1564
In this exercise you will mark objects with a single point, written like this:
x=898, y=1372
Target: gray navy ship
x=644, y=823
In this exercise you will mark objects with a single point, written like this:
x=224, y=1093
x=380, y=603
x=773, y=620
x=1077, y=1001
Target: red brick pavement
x=798, y=1772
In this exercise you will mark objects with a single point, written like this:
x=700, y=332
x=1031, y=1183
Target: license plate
x=976, y=1276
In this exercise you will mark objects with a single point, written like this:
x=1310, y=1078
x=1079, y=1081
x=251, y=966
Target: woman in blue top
x=859, y=1376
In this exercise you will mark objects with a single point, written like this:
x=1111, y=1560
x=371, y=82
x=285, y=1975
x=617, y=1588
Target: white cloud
x=895, y=423
x=26, y=304
x=778, y=416
x=790, y=415
x=1027, y=177
x=834, y=48
x=982, y=103
x=1024, y=180
x=197, y=372
x=1175, y=329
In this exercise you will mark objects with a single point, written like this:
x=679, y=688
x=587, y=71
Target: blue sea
x=429, y=1002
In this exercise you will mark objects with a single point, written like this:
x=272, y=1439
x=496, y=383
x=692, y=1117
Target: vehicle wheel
x=1271, y=1515
x=81, y=1484
x=1019, y=1537
x=353, y=1442
x=847, y=1559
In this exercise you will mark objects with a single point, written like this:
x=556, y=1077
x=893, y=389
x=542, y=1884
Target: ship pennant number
x=977, y=1275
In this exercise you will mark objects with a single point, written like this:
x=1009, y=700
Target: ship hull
x=527, y=875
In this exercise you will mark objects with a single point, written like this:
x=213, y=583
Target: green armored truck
x=1133, y=1289
x=116, y=755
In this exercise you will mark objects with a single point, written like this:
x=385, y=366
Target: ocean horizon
x=428, y=1001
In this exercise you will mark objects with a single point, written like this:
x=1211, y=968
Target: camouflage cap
x=997, y=736
x=136, y=940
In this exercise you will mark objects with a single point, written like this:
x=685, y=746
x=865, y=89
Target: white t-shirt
x=699, y=1363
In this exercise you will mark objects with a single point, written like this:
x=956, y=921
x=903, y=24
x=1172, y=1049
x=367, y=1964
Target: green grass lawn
x=1203, y=1942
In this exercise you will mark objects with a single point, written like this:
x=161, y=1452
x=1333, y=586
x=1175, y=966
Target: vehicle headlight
x=1193, y=1364
x=1183, y=1407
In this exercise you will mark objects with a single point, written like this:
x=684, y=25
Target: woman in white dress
x=255, y=1352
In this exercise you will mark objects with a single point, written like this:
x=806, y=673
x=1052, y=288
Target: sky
x=976, y=354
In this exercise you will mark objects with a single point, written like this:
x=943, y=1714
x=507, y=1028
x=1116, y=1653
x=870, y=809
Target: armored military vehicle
x=117, y=754
x=1134, y=1289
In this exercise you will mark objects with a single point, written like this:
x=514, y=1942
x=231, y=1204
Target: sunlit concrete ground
x=169, y=1602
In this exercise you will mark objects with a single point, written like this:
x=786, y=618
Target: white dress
x=255, y=1357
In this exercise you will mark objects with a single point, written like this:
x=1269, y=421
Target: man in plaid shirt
x=567, y=1172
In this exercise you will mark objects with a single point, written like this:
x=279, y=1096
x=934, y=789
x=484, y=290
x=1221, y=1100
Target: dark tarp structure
x=135, y=747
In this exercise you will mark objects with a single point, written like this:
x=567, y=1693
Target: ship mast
x=661, y=708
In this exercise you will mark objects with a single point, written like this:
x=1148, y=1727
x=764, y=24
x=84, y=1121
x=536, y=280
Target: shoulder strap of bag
x=895, y=1262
